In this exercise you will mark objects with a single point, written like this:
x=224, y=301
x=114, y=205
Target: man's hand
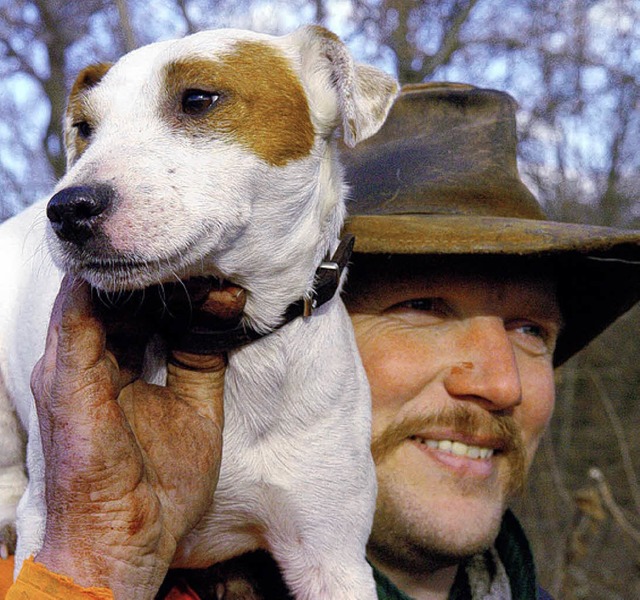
x=130, y=467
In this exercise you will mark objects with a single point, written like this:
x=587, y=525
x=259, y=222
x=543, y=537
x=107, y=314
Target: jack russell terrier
x=215, y=155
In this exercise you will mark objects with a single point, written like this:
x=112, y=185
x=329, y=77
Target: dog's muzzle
x=75, y=212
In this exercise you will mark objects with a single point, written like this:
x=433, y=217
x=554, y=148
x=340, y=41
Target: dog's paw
x=8, y=539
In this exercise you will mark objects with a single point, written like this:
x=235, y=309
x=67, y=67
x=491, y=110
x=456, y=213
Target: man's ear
x=341, y=92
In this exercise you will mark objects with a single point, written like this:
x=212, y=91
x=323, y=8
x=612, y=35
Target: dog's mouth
x=115, y=263
x=120, y=270
x=111, y=270
x=125, y=275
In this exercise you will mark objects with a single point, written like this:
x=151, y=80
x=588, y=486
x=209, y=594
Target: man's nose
x=485, y=370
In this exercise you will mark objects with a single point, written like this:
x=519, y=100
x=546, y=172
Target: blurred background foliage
x=574, y=68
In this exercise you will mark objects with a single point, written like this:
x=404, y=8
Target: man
x=463, y=298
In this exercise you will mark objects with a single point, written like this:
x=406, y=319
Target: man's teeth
x=457, y=448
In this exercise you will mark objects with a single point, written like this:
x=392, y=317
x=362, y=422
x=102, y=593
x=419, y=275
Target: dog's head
x=211, y=155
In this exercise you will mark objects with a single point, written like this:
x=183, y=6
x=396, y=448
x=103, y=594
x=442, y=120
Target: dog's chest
x=289, y=427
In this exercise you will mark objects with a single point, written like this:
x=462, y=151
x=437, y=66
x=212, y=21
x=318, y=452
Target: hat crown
x=447, y=149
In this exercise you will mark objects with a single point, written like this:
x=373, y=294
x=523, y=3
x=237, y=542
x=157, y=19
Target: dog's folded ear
x=356, y=96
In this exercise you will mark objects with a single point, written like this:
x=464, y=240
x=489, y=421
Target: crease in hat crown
x=441, y=178
x=444, y=149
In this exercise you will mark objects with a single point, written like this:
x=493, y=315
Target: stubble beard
x=397, y=537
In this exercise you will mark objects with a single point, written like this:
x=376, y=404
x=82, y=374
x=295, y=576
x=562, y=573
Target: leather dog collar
x=202, y=340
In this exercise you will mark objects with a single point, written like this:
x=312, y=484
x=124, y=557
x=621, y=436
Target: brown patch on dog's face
x=258, y=101
x=79, y=116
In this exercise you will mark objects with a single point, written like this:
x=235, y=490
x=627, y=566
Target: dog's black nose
x=75, y=211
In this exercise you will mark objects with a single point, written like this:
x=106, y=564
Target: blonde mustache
x=501, y=428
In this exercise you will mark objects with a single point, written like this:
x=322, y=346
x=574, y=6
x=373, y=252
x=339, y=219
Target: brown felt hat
x=441, y=178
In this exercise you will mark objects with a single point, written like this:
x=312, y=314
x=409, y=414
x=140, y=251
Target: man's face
x=459, y=359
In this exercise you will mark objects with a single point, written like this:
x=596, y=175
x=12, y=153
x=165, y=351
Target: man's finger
x=55, y=323
x=45, y=368
x=199, y=381
x=76, y=373
x=226, y=304
x=80, y=340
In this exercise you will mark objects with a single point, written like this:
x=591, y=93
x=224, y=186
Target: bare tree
x=129, y=34
x=191, y=27
x=35, y=38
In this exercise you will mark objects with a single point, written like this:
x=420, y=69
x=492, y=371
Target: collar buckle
x=332, y=268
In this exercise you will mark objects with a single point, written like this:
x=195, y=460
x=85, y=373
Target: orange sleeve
x=6, y=575
x=35, y=582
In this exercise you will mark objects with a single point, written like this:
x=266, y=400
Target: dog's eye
x=198, y=102
x=84, y=129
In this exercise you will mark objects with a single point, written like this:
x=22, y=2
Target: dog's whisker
x=182, y=284
x=162, y=293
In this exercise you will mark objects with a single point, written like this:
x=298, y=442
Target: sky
x=583, y=135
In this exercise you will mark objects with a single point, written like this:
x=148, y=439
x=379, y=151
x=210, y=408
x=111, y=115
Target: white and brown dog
x=216, y=155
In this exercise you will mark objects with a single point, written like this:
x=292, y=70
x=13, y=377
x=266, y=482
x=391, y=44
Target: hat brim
x=472, y=234
x=598, y=267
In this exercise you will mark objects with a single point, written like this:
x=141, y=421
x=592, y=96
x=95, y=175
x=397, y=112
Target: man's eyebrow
x=549, y=309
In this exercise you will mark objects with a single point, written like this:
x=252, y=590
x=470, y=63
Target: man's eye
x=534, y=337
x=198, y=102
x=420, y=311
x=533, y=330
x=423, y=304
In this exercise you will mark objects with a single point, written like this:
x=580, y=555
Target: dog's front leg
x=322, y=558
x=13, y=479
x=32, y=509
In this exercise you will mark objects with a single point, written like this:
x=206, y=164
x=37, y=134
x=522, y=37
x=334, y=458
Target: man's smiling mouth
x=456, y=448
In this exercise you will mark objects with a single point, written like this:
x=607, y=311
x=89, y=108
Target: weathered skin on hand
x=131, y=466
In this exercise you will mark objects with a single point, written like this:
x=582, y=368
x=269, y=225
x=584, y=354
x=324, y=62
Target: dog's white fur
x=297, y=477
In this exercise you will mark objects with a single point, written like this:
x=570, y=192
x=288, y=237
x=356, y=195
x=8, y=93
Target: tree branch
x=23, y=64
x=612, y=506
x=191, y=27
x=618, y=430
x=130, y=41
x=451, y=40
